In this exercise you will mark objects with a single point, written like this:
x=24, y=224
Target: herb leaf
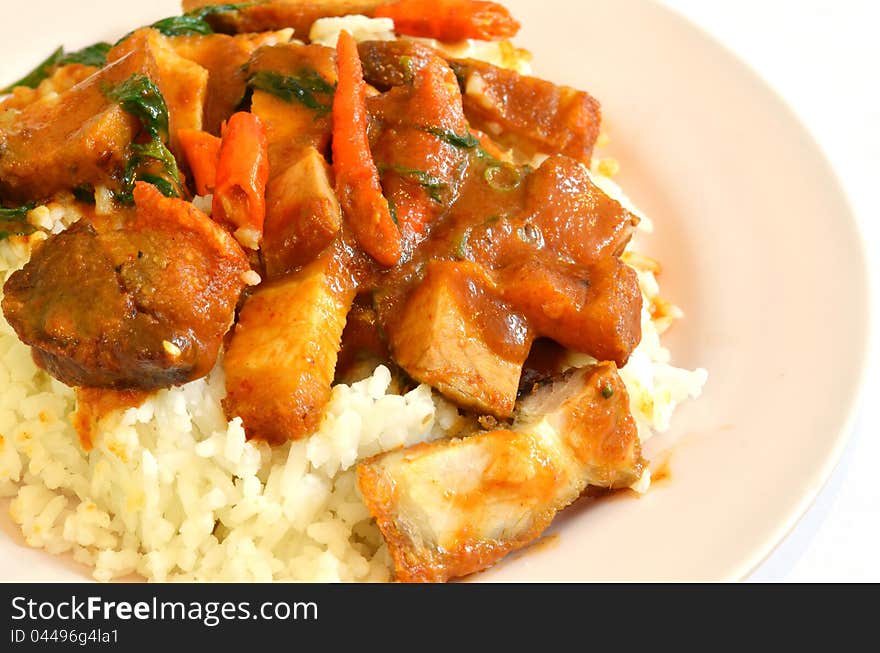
x=141, y=98
x=13, y=222
x=432, y=185
x=207, y=10
x=465, y=141
x=84, y=193
x=392, y=209
x=301, y=88
x=94, y=55
x=180, y=25
x=192, y=22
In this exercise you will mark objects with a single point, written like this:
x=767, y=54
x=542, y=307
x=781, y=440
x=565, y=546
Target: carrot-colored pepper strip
x=451, y=20
x=357, y=179
x=242, y=173
x=202, y=151
x=489, y=146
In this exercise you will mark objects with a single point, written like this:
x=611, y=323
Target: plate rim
x=845, y=432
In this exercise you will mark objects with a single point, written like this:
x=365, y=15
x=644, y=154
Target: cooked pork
x=450, y=508
x=282, y=358
x=137, y=300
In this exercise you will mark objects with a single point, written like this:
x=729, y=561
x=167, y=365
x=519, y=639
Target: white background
x=823, y=58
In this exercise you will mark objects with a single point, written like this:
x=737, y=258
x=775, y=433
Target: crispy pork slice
x=302, y=214
x=79, y=137
x=183, y=83
x=282, y=358
x=394, y=63
x=532, y=115
x=225, y=58
x=451, y=508
x=577, y=220
x=594, y=310
x=454, y=334
x=61, y=80
x=278, y=14
x=293, y=94
x=137, y=300
x=529, y=114
x=413, y=141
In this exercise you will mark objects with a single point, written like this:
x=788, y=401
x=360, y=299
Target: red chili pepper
x=202, y=151
x=242, y=173
x=357, y=179
x=451, y=20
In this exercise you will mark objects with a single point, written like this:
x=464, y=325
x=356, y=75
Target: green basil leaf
x=301, y=88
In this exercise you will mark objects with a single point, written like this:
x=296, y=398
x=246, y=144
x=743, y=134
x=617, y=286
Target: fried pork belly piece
x=138, y=300
x=302, y=212
x=282, y=357
x=394, y=63
x=278, y=14
x=451, y=508
x=411, y=130
x=577, y=220
x=225, y=58
x=594, y=310
x=455, y=334
x=293, y=121
x=183, y=83
x=62, y=79
x=531, y=115
x=79, y=137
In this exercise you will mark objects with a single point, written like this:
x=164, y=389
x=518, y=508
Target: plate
x=759, y=248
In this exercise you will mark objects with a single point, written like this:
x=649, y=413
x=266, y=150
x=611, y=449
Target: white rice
x=325, y=31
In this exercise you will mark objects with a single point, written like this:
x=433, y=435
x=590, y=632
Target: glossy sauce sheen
x=534, y=253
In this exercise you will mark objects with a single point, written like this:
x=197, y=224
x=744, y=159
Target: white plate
x=759, y=247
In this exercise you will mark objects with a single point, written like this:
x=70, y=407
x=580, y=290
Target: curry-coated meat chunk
x=137, y=300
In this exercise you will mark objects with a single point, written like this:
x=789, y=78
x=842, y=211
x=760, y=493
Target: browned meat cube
x=225, y=58
x=595, y=310
x=454, y=334
x=282, y=358
x=529, y=114
x=79, y=138
x=578, y=221
x=183, y=83
x=454, y=507
x=302, y=214
x=277, y=14
x=137, y=300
